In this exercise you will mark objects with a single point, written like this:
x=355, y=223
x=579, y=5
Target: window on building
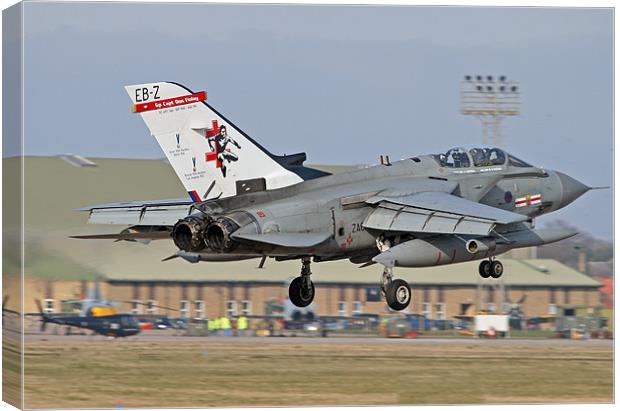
x=464, y=308
x=427, y=310
x=199, y=309
x=136, y=307
x=552, y=296
x=440, y=295
x=491, y=295
x=184, y=308
x=342, y=309
x=441, y=311
x=151, y=307
x=491, y=307
x=373, y=294
x=48, y=305
x=553, y=309
x=357, y=307
x=231, y=308
x=246, y=307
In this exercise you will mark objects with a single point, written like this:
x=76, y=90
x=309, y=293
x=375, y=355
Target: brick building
x=208, y=290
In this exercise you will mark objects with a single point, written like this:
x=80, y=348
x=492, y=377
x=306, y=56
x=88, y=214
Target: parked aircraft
x=245, y=202
x=97, y=314
x=102, y=320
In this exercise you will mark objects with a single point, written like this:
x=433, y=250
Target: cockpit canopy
x=129, y=321
x=461, y=157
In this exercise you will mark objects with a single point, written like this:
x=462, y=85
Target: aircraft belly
x=442, y=250
x=429, y=252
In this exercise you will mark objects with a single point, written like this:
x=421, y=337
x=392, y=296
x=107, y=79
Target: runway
x=159, y=369
x=163, y=336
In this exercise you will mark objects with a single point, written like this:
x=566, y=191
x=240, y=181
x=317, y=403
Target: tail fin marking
x=208, y=152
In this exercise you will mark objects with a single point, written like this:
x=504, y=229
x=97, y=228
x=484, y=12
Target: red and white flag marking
x=528, y=200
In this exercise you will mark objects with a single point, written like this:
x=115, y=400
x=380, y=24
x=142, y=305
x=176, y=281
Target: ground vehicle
x=395, y=326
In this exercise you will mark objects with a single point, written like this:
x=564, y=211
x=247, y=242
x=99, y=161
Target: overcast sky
x=344, y=84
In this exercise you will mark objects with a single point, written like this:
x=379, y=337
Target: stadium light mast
x=490, y=99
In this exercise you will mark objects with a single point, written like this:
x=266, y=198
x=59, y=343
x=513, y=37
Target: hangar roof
x=54, y=188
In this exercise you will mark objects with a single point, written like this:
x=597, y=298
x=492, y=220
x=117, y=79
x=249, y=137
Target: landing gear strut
x=491, y=268
x=301, y=290
x=397, y=292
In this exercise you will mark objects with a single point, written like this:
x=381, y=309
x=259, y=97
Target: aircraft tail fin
x=212, y=157
x=44, y=317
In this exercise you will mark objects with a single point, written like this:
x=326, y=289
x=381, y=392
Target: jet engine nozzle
x=217, y=235
x=480, y=245
x=187, y=233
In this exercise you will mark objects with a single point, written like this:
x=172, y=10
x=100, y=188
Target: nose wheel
x=301, y=289
x=397, y=292
x=491, y=268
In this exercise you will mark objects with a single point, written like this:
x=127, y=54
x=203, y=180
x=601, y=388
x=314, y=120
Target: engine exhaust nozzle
x=217, y=235
x=187, y=233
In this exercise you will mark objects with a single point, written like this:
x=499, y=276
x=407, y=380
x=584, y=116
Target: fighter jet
x=245, y=202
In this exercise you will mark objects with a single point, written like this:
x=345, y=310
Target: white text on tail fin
x=211, y=156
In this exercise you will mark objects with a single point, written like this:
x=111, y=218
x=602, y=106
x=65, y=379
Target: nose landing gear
x=301, y=290
x=491, y=268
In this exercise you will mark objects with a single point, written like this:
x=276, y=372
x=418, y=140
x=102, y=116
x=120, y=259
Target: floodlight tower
x=490, y=99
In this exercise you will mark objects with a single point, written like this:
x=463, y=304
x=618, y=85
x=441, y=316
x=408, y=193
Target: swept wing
x=143, y=213
x=436, y=213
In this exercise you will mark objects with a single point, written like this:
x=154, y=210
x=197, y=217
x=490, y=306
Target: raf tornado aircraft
x=245, y=202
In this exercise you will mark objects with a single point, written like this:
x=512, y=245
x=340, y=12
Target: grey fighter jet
x=462, y=205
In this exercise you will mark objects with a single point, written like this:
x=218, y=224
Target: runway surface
x=424, y=341
x=159, y=369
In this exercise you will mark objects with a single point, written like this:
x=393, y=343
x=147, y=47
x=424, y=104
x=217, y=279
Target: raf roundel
x=508, y=197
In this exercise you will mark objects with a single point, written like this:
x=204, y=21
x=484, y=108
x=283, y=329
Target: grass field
x=100, y=374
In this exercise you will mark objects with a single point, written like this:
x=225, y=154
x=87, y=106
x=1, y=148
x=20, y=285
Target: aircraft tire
x=484, y=269
x=398, y=295
x=298, y=296
x=497, y=269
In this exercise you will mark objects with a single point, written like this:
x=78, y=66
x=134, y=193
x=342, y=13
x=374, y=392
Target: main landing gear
x=397, y=292
x=491, y=268
x=301, y=290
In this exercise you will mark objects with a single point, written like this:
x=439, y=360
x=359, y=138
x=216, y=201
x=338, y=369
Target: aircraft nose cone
x=571, y=188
